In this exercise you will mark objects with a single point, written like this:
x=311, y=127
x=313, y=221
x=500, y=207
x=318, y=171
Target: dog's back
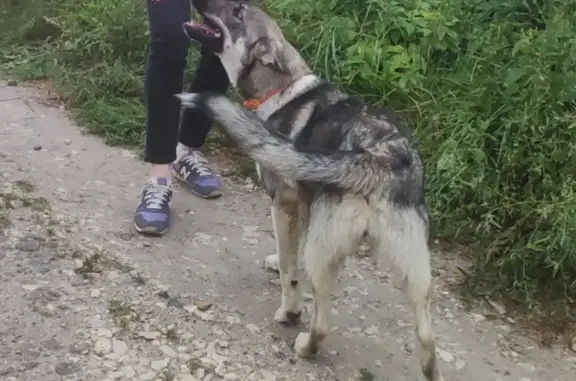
x=325, y=120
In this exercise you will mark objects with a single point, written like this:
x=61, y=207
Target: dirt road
x=82, y=297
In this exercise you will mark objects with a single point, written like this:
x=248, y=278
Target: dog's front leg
x=287, y=221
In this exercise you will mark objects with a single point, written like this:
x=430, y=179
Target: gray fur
x=336, y=169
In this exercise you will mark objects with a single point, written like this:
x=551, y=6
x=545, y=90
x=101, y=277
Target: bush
x=489, y=87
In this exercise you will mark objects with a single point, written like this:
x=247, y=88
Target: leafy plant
x=488, y=86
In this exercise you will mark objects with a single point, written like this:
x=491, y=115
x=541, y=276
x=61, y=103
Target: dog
x=335, y=168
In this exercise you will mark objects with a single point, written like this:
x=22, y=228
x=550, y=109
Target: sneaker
x=193, y=170
x=153, y=212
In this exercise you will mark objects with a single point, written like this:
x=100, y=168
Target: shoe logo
x=184, y=172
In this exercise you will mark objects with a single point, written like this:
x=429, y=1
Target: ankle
x=160, y=171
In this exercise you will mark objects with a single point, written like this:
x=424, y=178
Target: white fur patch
x=277, y=101
x=231, y=59
x=188, y=99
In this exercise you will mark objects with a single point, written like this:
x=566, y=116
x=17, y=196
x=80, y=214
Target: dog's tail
x=357, y=172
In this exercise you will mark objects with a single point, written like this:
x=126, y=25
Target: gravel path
x=83, y=297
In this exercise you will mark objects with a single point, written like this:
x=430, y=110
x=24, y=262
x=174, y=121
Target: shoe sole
x=211, y=195
x=150, y=231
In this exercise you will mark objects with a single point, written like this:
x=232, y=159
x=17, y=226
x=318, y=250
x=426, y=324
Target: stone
x=147, y=376
x=104, y=332
x=527, y=367
x=186, y=377
x=128, y=371
x=51, y=344
x=28, y=245
x=79, y=348
x=66, y=368
x=159, y=364
x=102, y=346
x=150, y=336
x=445, y=355
x=202, y=305
x=30, y=287
x=116, y=375
x=119, y=347
x=168, y=351
x=460, y=364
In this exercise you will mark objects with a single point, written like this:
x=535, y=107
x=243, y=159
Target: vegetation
x=489, y=87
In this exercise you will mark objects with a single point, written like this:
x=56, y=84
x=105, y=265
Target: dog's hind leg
x=334, y=231
x=288, y=217
x=401, y=235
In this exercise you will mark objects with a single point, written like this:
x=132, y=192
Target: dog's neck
x=268, y=103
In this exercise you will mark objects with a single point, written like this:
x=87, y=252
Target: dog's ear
x=269, y=53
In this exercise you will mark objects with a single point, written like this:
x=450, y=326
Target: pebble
x=66, y=368
x=202, y=305
x=444, y=355
x=168, y=351
x=252, y=328
x=102, y=346
x=372, y=330
x=30, y=287
x=95, y=293
x=119, y=347
x=116, y=375
x=159, y=364
x=149, y=335
x=128, y=371
x=527, y=367
x=460, y=364
x=147, y=376
x=104, y=332
x=28, y=245
x=186, y=377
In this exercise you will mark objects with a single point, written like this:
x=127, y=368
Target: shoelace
x=196, y=162
x=156, y=196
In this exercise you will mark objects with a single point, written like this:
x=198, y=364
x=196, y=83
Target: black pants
x=167, y=53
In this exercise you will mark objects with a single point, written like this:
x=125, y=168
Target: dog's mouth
x=203, y=32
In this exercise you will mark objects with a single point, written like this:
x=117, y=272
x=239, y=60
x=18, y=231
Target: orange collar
x=254, y=103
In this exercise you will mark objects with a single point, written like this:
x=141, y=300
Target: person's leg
x=191, y=166
x=167, y=51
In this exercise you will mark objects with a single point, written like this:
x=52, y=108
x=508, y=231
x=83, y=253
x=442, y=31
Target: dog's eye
x=238, y=12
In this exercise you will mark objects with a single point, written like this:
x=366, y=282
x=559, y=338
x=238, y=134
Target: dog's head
x=250, y=44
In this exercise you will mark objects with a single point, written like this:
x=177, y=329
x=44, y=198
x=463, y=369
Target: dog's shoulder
x=315, y=119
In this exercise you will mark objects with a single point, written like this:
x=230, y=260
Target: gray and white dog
x=335, y=168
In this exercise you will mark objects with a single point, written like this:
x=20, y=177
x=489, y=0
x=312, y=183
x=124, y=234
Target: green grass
x=488, y=86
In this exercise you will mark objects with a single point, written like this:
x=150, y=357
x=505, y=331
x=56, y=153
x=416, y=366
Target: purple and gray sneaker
x=153, y=212
x=193, y=170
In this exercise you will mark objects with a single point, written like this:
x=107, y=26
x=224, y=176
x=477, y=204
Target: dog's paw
x=287, y=317
x=271, y=263
x=304, y=347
